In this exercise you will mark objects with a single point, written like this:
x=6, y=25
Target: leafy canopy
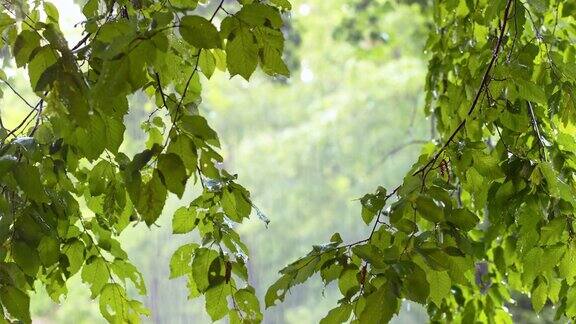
x=68, y=190
x=487, y=210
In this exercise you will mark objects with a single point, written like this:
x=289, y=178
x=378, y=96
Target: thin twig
x=38, y=118
x=200, y=177
x=13, y=131
x=82, y=41
x=380, y=212
x=18, y=94
x=160, y=89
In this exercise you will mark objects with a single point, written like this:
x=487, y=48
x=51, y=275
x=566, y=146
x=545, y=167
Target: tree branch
x=485, y=80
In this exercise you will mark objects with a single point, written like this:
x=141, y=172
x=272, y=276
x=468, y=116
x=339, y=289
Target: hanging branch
x=483, y=84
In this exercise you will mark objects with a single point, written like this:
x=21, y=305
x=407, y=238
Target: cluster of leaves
x=487, y=210
x=68, y=190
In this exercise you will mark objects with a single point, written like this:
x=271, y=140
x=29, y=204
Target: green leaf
x=113, y=303
x=429, y=210
x=539, y=261
x=235, y=204
x=370, y=253
x=74, y=251
x=28, y=178
x=197, y=126
x=272, y=62
x=199, y=32
x=200, y=267
x=380, y=306
x=243, y=203
x=278, y=290
x=284, y=4
x=338, y=315
x=459, y=268
x=173, y=173
x=90, y=8
x=25, y=44
x=207, y=63
x=248, y=304
x=96, y=273
x=372, y=204
x=531, y=92
x=151, y=200
x=463, y=219
x=16, y=302
x=184, y=220
x=539, y=296
x=435, y=258
x=271, y=42
x=5, y=21
x=26, y=258
x=115, y=129
x=216, y=302
x=125, y=270
x=51, y=12
x=229, y=205
x=417, y=287
x=49, y=250
x=259, y=14
x=183, y=147
x=99, y=177
x=181, y=261
x=368, y=215
x=567, y=266
x=242, y=53
x=440, y=284
x=7, y=163
x=539, y=5
x=571, y=302
x=185, y=4
x=348, y=282
x=45, y=58
x=552, y=232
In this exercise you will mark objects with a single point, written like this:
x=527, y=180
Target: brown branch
x=217, y=9
x=197, y=61
x=81, y=42
x=483, y=84
x=194, y=71
x=160, y=89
